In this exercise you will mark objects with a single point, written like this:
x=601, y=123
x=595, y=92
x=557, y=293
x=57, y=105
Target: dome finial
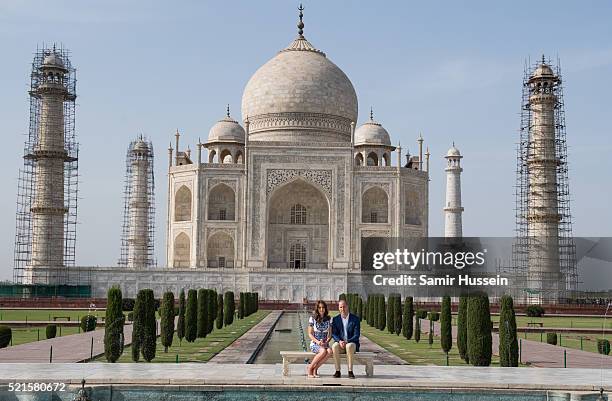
x=543, y=59
x=228, y=111
x=300, y=24
x=371, y=114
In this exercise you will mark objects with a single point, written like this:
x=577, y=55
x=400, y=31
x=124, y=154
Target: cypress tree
x=409, y=318
x=212, y=313
x=202, y=324
x=241, y=306
x=167, y=320
x=180, y=327
x=137, y=325
x=508, y=344
x=446, y=327
x=417, y=327
x=462, y=343
x=430, y=334
x=479, y=330
x=191, y=316
x=369, y=309
x=219, y=320
x=391, y=314
x=398, y=314
x=149, y=326
x=228, y=308
x=113, y=327
x=382, y=312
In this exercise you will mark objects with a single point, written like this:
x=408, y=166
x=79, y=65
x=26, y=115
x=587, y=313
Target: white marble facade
x=279, y=203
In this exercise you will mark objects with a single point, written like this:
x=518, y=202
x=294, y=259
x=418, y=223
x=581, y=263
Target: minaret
x=542, y=208
x=49, y=152
x=452, y=207
x=137, y=245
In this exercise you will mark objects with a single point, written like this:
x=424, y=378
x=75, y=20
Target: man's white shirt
x=345, y=325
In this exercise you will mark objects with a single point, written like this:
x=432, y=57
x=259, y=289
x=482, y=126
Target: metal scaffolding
x=138, y=230
x=47, y=190
x=535, y=192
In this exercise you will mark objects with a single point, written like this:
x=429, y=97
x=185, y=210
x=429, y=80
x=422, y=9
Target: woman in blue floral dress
x=319, y=331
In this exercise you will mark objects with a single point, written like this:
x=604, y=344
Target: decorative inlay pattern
x=301, y=121
x=277, y=177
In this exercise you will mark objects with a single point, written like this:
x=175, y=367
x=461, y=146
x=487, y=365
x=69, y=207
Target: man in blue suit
x=345, y=332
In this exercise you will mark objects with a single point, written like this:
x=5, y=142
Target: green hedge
x=88, y=323
x=6, y=334
x=397, y=310
x=462, y=329
x=382, y=316
x=417, y=329
x=219, y=319
x=508, y=343
x=551, y=338
x=191, y=316
x=167, y=320
x=212, y=310
x=479, y=338
x=113, y=325
x=446, y=325
x=534, y=311
x=391, y=314
x=149, y=332
x=50, y=331
x=202, y=313
x=408, y=318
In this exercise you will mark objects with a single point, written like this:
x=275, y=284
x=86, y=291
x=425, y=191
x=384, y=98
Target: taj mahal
x=276, y=203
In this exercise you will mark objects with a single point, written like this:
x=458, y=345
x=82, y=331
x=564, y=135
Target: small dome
x=543, y=70
x=226, y=130
x=140, y=145
x=53, y=60
x=372, y=133
x=453, y=152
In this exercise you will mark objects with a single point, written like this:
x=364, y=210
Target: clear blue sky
x=450, y=70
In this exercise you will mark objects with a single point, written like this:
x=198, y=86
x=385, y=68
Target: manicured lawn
x=46, y=314
x=23, y=335
x=569, y=340
x=553, y=321
x=414, y=353
x=203, y=349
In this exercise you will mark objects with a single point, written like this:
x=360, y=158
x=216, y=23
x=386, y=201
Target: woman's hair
x=317, y=315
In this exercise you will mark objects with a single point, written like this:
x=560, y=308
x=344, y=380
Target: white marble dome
x=299, y=96
x=372, y=133
x=453, y=152
x=226, y=130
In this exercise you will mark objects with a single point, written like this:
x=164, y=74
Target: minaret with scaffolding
x=544, y=253
x=138, y=239
x=47, y=187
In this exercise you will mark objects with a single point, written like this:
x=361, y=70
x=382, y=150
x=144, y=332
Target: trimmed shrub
x=6, y=334
x=382, y=309
x=462, y=346
x=551, y=338
x=202, y=324
x=191, y=316
x=180, y=325
x=113, y=325
x=167, y=320
x=241, y=306
x=127, y=304
x=88, y=323
x=219, y=320
x=212, y=310
x=51, y=331
x=229, y=307
x=360, y=309
x=603, y=346
x=137, y=325
x=391, y=314
x=408, y=318
x=479, y=338
x=431, y=330
x=342, y=297
x=534, y=311
x=508, y=344
x=417, y=329
x=446, y=326
x=422, y=314
x=149, y=326
x=433, y=316
x=130, y=316
x=398, y=314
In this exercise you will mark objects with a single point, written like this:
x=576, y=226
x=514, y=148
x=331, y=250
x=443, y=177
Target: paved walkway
x=540, y=354
x=241, y=350
x=268, y=376
x=72, y=348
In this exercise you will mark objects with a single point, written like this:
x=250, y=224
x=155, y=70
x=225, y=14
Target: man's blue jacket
x=353, y=330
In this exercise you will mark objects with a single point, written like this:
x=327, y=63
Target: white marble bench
x=363, y=358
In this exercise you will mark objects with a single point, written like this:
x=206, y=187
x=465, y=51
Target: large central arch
x=290, y=229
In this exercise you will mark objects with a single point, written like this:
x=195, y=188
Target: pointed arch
x=359, y=159
x=220, y=250
x=182, y=204
x=375, y=206
x=182, y=247
x=221, y=203
x=372, y=159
